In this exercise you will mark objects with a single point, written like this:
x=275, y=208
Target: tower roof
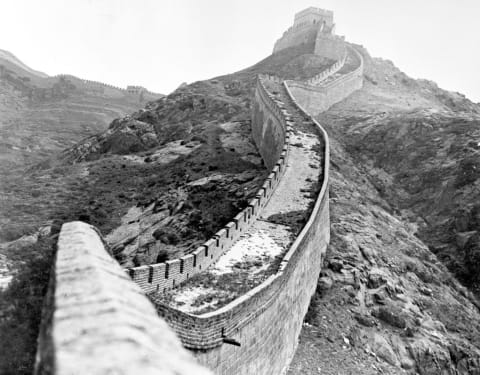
x=324, y=13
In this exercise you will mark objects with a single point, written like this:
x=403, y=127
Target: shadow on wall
x=97, y=321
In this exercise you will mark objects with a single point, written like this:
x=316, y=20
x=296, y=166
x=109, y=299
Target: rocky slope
x=403, y=166
x=384, y=302
x=177, y=170
x=420, y=145
x=39, y=117
x=173, y=173
x=201, y=166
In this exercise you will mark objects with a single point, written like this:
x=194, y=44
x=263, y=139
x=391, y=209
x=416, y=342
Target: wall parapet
x=97, y=321
x=252, y=320
x=207, y=331
x=165, y=276
x=101, y=85
x=357, y=72
x=297, y=35
x=322, y=76
x=319, y=97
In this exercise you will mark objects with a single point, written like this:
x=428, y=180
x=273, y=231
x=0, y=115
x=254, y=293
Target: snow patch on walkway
x=255, y=246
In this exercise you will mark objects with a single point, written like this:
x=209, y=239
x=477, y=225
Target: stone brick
x=97, y=321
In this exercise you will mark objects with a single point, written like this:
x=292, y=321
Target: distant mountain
x=41, y=115
x=8, y=59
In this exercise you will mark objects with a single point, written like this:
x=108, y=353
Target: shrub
x=22, y=303
x=162, y=256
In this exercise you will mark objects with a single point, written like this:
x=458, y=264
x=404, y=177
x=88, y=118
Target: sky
x=160, y=44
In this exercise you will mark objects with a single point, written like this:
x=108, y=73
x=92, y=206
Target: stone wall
x=271, y=130
x=319, y=97
x=269, y=125
x=105, y=88
x=312, y=14
x=322, y=76
x=330, y=46
x=91, y=294
x=315, y=27
x=267, y=320
x=298, y=35
x=96, y=321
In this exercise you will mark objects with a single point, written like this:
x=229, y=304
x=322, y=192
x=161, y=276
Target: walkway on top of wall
x=256, y=254
x=351, y=63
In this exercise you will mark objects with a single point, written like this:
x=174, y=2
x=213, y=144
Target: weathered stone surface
x=463, y=237
x=376, y=278
x=365, y=320
x=335, y=264
x=390, y=315
x=404, y=357
x=382, y=348
x=325, y=283
x=99, y=321
x=430, y=358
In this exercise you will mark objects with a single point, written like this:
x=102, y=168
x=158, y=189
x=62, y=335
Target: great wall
x=96, y=319
x=45, y=81
x=104, y=88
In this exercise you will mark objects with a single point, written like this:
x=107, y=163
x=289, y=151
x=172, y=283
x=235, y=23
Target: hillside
x=13, y=63
x=397, y=180
x=419, y=145
x=177, y=170
x=40, y=116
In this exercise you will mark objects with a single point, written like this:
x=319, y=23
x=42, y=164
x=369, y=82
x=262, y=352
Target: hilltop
x=11, y=62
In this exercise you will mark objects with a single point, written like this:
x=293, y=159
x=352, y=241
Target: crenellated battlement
x=314, y=15
x=315, y=29
x=100, y=87
x=319, y=93
x=165, y=276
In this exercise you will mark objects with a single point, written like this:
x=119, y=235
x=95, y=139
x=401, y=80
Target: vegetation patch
x=21, y=307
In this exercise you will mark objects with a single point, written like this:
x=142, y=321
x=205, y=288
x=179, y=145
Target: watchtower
x=314, y=15
x=314, y=29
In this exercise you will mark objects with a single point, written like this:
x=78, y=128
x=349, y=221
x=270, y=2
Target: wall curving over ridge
x=270, y=129
x=104, y=88
x=96, y=317
x=319, y=97
x=267, y=320
x=323, y=75
x=97, y=321
x=269, y=125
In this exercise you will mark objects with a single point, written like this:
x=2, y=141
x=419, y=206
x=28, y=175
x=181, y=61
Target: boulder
x=430, y=358
x=391, y=315
x=335, y=264
x=463, y=237
x=364, y=320
x=382, y=348
x=376, y=278
x=325, y=283
x=406, y=360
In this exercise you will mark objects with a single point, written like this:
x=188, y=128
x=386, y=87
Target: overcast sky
x=161, y=43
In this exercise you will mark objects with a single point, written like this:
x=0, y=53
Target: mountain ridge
x=8, y=56
x=401, y=310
